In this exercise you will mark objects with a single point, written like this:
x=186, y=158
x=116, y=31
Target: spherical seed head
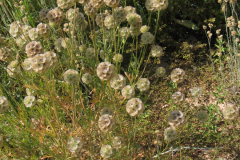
x=29, y=101
x=109, y=22
x=13, y=68
x=33, y=34
x=33, y=48
x=118, y=142
x=106, y=122
x=170, y=134
x=143, y=84
x=100, y=19
x=135, y=20
x=177, y=75
x=15, y=28
x=51, y=59
x=90, y=53
x=21, y=42
x=147, y=38
x=90, y=10
x=38, y=63
x=43, y=29
x=74, y=144
x=82, y=48
x=134, y=31
x=71, y=76
x=118, y=81
x=97, y=3
x=124, y=32
x=178, y=98
x=157, y=51
x=119, y=14
x=27, y=64
x=55, y=16
x=58, y=44
x=112, y=3
x=230, y=111
x=144, y=29
x=3, y=104
x=107, y=110
x=155, y=5
x=134, y=107
x=106, y=151
x=176, y=118
x=202, y=115
x=160, y=71
x=196, y=92
x=5, y=53
x=129, y=9
x=105, y=70
x=43, y=15
x=87, y=78
x=65, y=4
x=128, y=92
x=118, y=58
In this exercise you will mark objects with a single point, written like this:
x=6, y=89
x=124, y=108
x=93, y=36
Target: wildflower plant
x=76, y=81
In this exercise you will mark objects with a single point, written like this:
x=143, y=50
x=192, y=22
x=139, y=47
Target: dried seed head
x=55, y=15
x=5, y=53
x=105, y=70
x=100, y=19
x=177, y=75
x=112, y=3
x=196, y=92
x=144, y=29
x=33, y=34
x=147, y=38
x=118, y=142
x=119, y=14
x=135, y=20
x=156, y=51
x=106, y=151
x=71, y=76
x=107, y=110
x=176, y=118
x=118, y=58
x=13, y=68
x=178, y=98
x=118, y=81
x=124, y=32
x=43, y=15
x=3, y=104
x=230, y=111
x=143, y=84
x=160, y=71
x=90, y=10
x=134, y=107
x=15, y=28
x=128, y=92
x=33, y=48
x=29, y=101
x=87, y=78
x=65, y=4
x=106, y=122
x=74, y=144
x=109, y=22
x=170, y=134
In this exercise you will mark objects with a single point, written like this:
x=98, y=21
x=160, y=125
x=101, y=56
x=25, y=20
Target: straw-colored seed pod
x=134, y=107
x=106, y=122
